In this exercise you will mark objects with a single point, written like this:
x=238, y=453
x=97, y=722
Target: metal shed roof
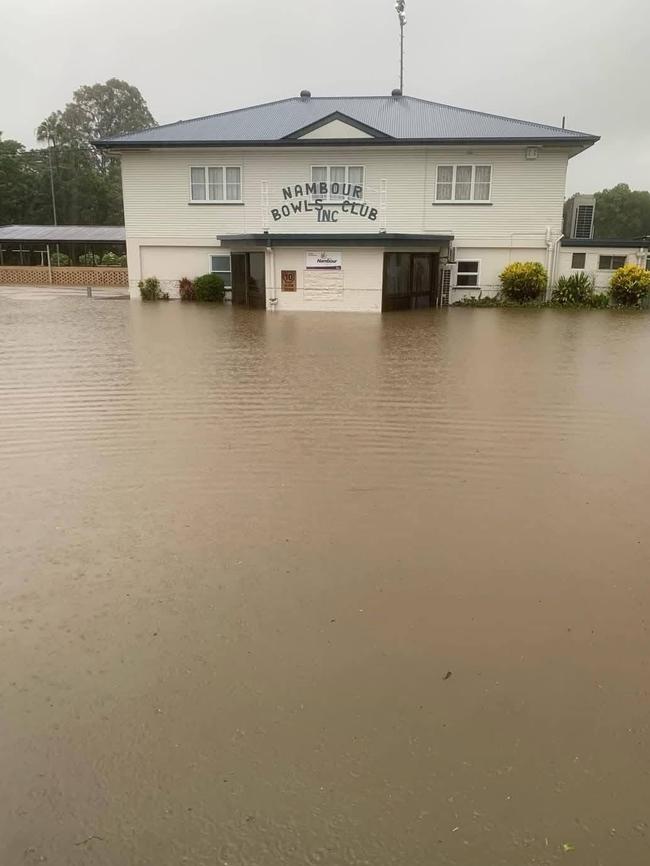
x=386, y=119
x=62, y=234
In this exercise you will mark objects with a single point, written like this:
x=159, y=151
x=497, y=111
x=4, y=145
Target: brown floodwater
x=242, y=552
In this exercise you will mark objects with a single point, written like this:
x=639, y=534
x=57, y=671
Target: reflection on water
x=240, y=551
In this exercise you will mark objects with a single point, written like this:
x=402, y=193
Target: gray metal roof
x=392, y=120
x=105, y=234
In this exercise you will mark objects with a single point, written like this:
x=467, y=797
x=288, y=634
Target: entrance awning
x=378, y=239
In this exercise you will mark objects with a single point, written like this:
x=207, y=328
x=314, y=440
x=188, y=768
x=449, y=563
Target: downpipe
x=273, y=300
x=549, y=260
x=553, y=271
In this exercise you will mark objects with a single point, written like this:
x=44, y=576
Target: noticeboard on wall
x=324, y=261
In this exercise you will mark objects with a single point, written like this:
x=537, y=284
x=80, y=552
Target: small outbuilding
x=33, y=255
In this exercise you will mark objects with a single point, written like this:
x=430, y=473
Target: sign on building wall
x=288, y=281
x=324, y=261
x=326, y=201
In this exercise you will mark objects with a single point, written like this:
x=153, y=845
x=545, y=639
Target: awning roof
x=606, y=242
x=378, y=239
x=64, y=234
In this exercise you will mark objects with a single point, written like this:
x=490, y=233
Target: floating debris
x=447, y=675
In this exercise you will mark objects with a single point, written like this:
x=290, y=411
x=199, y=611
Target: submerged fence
x=21, y=275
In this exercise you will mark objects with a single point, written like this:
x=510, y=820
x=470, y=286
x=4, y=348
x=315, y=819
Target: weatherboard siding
x=527, y=195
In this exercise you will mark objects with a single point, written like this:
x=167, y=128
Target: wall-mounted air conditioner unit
x=446, y=282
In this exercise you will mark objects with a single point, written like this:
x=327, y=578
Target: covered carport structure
x=63, y=255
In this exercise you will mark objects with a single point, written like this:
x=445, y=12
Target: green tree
x=23, y=182
x=87, y=181
x=622, y=213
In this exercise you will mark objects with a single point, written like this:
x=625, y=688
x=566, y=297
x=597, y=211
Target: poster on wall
x=288, y=281
x=324, y=261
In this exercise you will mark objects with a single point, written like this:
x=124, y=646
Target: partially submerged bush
x=600, y=300
x=523, y=281
x=629, y=286
x=150, y=289
x=209, y=287
x=112, y=260
x=186, y=289
x=486, y=301
x=90, y=260
x=576, y=290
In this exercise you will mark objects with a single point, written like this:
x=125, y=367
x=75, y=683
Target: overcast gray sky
x=587, y=59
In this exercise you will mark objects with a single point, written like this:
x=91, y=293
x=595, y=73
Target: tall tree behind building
x=87, y=183
x=24, y=189
x=622, y=212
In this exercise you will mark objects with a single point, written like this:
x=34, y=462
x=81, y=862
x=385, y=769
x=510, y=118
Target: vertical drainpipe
x=273, y=300
x=549, y=259
x=554, y=259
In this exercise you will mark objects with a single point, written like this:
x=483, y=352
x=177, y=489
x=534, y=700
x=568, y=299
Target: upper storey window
x=336, y=183
x=215, y=183
x=463, y=183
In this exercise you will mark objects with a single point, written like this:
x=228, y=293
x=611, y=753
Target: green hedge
x=523, y=281
x=209, y=287
x=630, y=286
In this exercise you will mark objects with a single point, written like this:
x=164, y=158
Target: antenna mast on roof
x=399, y=6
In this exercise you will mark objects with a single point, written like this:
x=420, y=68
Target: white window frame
x=468, y=273
x=224, y=200
x=611, y=257
x=327, y=199
x=471, y=199
x=229, y=271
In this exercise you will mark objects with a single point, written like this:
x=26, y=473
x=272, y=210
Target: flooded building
x=344, y=203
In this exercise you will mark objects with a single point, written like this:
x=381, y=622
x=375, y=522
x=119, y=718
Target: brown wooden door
x=238, y=272
x=410, y=281
x=248, y=279
x=421, y=280
x=256, y=280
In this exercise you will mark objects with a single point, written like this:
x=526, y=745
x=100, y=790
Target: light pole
x=49, y=162
x=399, y=6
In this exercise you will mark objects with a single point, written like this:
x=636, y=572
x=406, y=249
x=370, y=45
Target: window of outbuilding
x=611, y=263
x=467, y=273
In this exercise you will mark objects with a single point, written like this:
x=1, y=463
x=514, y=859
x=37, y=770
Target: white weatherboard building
x=344, y=203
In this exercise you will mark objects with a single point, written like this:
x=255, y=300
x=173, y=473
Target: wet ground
x=323, y=589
